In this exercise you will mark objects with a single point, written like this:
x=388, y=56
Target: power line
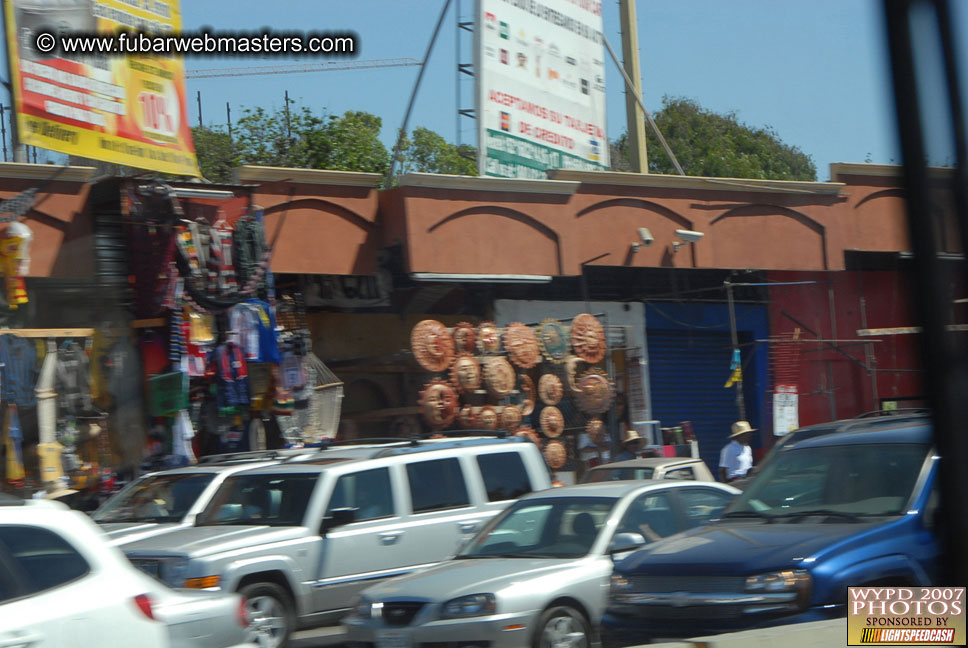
x=325, y=66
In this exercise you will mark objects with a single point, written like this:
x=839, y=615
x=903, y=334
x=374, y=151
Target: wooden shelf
x=49, y=332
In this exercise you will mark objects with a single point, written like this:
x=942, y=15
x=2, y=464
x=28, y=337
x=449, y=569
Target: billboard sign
x=540, y=87
x=128, y=110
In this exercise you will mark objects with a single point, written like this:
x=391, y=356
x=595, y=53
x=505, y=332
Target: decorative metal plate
x=466, y=373
x=488, y=338
x=555, y=454
x=438, y=403
x=588, y=338
x=521, y=345
x=511, y=418
x=526, y=385
x=550, y=389
x=596, y=392
x=528, y=431
x=432, y=345
x=571, y=373
x=553, y=338
x=552, y=422
x=499, y=376
x=595, y=429
x=465, y=337
x=466, y=417
x=487, y=418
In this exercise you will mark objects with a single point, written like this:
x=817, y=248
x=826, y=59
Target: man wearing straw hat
x=631, y=446
x=736, y=457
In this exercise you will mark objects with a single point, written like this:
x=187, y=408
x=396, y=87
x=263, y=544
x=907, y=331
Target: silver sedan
x=537, y=574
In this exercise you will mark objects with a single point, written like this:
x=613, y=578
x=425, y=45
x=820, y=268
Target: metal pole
x=288, y=122
x=228, y=116
x=634, y=115
x=19, y=150
x=734, y=336
x=198, y=98
x=3, y=132
x=413, y=95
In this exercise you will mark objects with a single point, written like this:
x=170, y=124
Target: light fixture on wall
x=646, y=238
x=685, y=237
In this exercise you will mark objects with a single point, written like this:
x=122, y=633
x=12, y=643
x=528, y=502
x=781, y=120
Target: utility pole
x=634, y=114
x=198, y=98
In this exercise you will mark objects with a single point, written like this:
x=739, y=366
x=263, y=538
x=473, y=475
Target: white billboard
x=540, y=87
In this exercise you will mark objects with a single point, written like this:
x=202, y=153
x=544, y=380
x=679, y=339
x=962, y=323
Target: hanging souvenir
x=15, y=260
x=499, y=376
x=588, y=338
x=465, y=373
x=13, y=445
x=232, y=378
x=595, y=392
x=553, y=339
x=571, y=374
x=487, y=418
x=488, y=338
x=521, y=345
x=527, y=431
x=465, y=336
x=182, y=434
x=250, y=249
x=220, y=257
x=555, y=454
x=552, y=421
x=526, y=387
x=438, y=403
x=511, y=418
x=550, y=389
x=432, y=345
x=187, y=244
x=466, y=418
x=595, y=429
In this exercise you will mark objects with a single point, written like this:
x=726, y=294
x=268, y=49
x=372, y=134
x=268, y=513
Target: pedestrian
x=631, y=446
x=736, y=457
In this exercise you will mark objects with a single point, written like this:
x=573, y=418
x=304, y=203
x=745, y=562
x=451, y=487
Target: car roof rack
x=904, y=411
x=253, y=455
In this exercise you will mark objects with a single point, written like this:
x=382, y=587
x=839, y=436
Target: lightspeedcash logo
x=887, y=616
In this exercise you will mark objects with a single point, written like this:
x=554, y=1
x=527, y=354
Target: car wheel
x=270, y=614
x=562, y=627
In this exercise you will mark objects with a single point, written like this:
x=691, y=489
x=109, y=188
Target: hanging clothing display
x=13, y=445
x=73, y=380
x=232, y=384
x=18, y=373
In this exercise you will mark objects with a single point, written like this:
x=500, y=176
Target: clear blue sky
x=815, y=71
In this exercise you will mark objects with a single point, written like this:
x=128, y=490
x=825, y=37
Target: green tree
x=426, y=151
x=714, y=145
x=217, y=153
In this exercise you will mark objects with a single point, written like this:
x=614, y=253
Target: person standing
x=631, y=446
x=736, y=457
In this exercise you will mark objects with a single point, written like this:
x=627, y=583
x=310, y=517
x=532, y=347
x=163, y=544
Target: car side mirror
x=625, y=542
x=337, y=518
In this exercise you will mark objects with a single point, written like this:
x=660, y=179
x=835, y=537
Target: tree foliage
x=714, y=145
x=426, y=151
x=216, y=152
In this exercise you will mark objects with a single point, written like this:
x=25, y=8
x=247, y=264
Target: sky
x=816, y=72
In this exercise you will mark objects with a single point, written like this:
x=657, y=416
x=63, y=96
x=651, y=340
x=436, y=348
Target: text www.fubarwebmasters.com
x=199, y=43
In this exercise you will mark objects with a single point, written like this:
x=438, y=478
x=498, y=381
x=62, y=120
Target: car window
x=505, y=476
x=651, y=515
x=368, y=492
x=700, y=505
x=160, y=498
x=681, y=473
x=437, y=484
x=47, y=560
x=618, y=474
x=273, y=500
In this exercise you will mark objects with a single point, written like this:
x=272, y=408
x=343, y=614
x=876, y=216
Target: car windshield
x=618, y=474
x=559, y=527
x=156, y=498
x=836, y=482
x=270, y=500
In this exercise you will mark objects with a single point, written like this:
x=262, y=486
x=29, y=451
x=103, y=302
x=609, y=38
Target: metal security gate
x=687, y=373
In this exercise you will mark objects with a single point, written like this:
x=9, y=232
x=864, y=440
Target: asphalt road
x=317, y=637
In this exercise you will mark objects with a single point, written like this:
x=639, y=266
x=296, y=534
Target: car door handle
x=390, y=537
x=20, y=641
x=468, y=527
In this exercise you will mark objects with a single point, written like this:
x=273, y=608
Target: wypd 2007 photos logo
x=886, y=616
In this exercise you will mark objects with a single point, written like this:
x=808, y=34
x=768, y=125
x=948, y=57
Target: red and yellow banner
x=120, y=108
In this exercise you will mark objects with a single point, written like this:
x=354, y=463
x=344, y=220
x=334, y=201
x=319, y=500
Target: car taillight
x=143, y=601
x=242, y=613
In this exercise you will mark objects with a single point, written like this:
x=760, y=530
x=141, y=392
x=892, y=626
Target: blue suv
x=844, y=504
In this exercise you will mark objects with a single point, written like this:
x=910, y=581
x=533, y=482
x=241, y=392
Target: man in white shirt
x=736, y=457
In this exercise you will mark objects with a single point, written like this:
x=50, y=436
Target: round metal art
x=526, y=385
x=553, y=339
x=588, y=338
x=511, y=418
x=595, y=394
x=555, y=454
x=432, y=345
x=488, y=338
x=487, y=418
x=499, y=376
x=552, y=422
x=466, y=417
x=521, y=345
x=465, y=336
x=528, y=431
x=466, y=373
x=571, y=373
x=438, y=403
x=595, y=429
x=550, y=389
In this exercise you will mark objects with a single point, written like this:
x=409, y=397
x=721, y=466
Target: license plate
x=392, y=639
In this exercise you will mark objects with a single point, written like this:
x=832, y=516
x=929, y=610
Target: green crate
x=167, y=393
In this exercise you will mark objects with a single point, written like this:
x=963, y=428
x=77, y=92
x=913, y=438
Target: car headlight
x=469, y=606
x=173, y=571
x=362, y=607
x=618, y=584
x=791, y=581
